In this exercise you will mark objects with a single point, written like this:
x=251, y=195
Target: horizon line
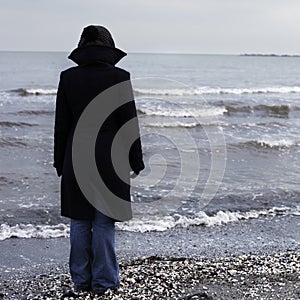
x=168, y=53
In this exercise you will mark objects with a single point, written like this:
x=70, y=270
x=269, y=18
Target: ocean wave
x=270, y=110
x=179, y=124
x=15, y=124
x=6, y=181
x=12, y=142
x=174, y=124
x=272, y=144
x=35, y=91
x=33, y=231
x=180, y=91
x=139, y=225
x=208, y=112
x=34, y=112
x=216, y=90
x=202, y=219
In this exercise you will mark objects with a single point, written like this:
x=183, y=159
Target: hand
x=133, y=175
x=58, y=172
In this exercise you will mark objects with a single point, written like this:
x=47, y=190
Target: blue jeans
x=93, y=260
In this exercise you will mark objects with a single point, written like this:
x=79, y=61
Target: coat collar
x=96, y=53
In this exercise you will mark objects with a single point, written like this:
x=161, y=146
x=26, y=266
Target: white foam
x=185, y=91
x=164, y=112
x=286, y=143
x=39, y=91
x=33, y=231
x=218, y=90
x=144, y=225
x=174, y=124
x=201, y=218
x=185, y=124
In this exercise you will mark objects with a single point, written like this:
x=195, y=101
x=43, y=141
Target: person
x=93, y=263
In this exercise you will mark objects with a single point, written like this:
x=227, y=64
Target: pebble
x=247, y=276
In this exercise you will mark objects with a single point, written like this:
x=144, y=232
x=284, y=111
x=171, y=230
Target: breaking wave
x=35, y=112
x=12, y=142
x=208, y=112
x=180, y=91
x=33, y=231
x=138, y=225
x=217, y=90
x=179, y=124
x=15, y=124
x=269, y=110
x=202, y=219
x=37, y=91
x=263, y=110
x=271, y=144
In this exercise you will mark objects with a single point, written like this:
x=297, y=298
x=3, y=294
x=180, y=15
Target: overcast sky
x=176, y=26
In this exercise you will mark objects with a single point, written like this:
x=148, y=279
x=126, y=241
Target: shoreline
x=260, y=243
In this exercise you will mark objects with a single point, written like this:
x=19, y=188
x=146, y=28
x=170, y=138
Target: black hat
x=96, y=44
x=96, y=35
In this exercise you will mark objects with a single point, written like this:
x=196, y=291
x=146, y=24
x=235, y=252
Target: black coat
x=78, y=86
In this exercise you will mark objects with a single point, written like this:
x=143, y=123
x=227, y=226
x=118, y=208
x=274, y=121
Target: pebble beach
x=275, y=276
x=254, y=259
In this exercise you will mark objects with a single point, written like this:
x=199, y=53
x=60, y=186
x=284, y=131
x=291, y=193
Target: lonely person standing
x=93, y=263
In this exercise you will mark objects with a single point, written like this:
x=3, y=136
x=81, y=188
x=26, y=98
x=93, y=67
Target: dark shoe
x=98, y=291
x=97, y=295
x=81, y=287
x=69, y=293
x=101, y=291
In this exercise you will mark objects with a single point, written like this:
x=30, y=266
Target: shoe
x=81, y=287
x=69, y=293
x=98, y=291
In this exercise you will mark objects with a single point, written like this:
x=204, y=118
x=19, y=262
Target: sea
x=220, y=137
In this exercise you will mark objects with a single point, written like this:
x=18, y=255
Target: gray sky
x=180, y=26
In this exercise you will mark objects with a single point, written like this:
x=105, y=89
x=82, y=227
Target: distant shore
x=270, y=55
x=252, y=259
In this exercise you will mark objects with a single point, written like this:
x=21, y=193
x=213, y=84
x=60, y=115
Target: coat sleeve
x=62, y=127
x=125, y=114
x=135, y=153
